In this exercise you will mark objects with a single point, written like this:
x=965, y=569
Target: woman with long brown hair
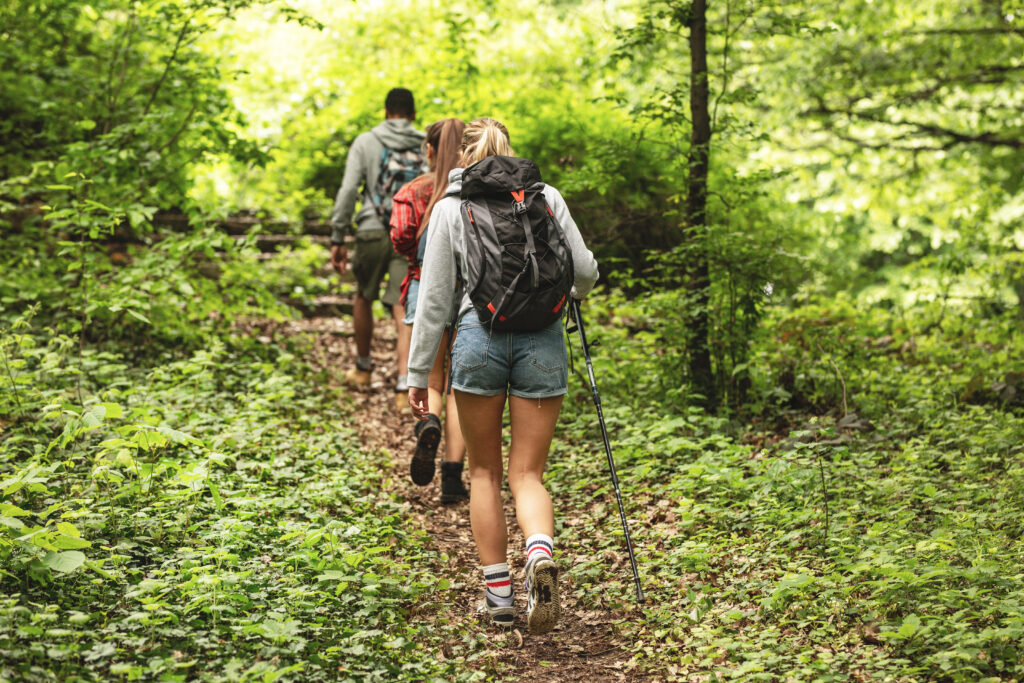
x=411, y=208
x=529, y=370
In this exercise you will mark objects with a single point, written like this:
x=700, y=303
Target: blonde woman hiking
x=510, y=240
x=411, y=209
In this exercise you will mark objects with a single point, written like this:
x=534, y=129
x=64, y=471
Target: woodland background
x=810, y=222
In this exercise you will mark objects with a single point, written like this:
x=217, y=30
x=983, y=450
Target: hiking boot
x=428, y=436
x=452, y=488
x=543, y=607
x=500, y=615
x=402, y=402
x=358, y=379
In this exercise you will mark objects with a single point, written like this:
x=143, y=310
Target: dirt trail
x=583, y=647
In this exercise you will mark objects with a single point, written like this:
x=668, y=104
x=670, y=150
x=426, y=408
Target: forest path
x=583, y=647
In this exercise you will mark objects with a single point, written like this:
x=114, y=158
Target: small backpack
x=397, y=167
x=518, y=263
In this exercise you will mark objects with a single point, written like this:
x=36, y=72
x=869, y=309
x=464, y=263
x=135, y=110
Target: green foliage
x=210, y=498
x=881, y=543
x=119, y=91
x=180, y=498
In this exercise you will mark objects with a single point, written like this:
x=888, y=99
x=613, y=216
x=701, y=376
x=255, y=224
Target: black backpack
x=397, y=167
x=518, y=263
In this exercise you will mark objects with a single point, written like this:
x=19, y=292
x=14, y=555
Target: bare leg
x=455, y=445
x=404, y=333
x=362, y=321
x=533, y=426
x=481, y=426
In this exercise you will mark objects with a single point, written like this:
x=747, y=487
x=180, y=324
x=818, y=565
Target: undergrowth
x=869, y=528
x=200, y=516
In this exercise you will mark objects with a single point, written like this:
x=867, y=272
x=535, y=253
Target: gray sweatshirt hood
x=454, y=182
x=398, y=134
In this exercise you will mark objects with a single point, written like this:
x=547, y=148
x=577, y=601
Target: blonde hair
x=483, y=138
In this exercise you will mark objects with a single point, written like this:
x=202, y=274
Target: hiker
x=411, y=209
x=379, y=162
x=488, y=365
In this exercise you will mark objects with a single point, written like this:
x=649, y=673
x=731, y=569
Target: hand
x=339, y=258
x=418, y=402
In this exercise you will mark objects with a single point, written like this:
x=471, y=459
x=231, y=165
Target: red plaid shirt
x=407, y=209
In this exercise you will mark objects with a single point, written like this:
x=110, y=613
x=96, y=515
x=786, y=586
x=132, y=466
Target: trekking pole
x=578, y=319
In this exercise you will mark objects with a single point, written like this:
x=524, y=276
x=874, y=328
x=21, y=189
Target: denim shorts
x=410, y=301
x=524, y=364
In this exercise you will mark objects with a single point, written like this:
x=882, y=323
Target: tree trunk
x=696, y=204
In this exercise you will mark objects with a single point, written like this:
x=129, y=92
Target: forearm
x=583, y=261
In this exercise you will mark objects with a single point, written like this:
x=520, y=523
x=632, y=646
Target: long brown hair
x=445, y=136
x=483, y=138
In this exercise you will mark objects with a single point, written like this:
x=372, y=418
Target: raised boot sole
x=421, y=469
x=547, y=608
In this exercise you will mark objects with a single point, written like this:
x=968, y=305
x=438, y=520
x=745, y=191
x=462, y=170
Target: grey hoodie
x=360, y=177
x=446, y=251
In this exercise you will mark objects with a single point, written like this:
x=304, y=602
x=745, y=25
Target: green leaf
x=65, y=562
x=62, y=542
x=113, y=410
x=68, y=529
x=98, y=569
x=910, y=626
x=176, y=436
x=12, y=522
x=94, y=416
x=9, y=510
x=215, y=494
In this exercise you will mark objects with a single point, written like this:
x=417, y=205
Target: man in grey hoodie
x=374, y=257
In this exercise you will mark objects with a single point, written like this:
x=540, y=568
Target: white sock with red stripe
x=499, y=584
x=539, y=546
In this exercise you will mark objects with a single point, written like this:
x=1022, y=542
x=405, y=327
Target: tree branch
x=921, y=129
x=167, y=67
x=180, y=129
x=980, y=30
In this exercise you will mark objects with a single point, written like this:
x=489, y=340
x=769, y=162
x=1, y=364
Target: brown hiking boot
x=402, y=402
x=356, y=378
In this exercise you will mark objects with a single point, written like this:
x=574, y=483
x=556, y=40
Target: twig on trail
x=824, y=497
x=839, y=376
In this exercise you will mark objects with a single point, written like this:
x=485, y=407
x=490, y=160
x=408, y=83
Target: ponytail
x=483, y=138
x=445, y=136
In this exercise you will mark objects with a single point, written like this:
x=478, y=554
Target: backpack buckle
x=518, y=202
